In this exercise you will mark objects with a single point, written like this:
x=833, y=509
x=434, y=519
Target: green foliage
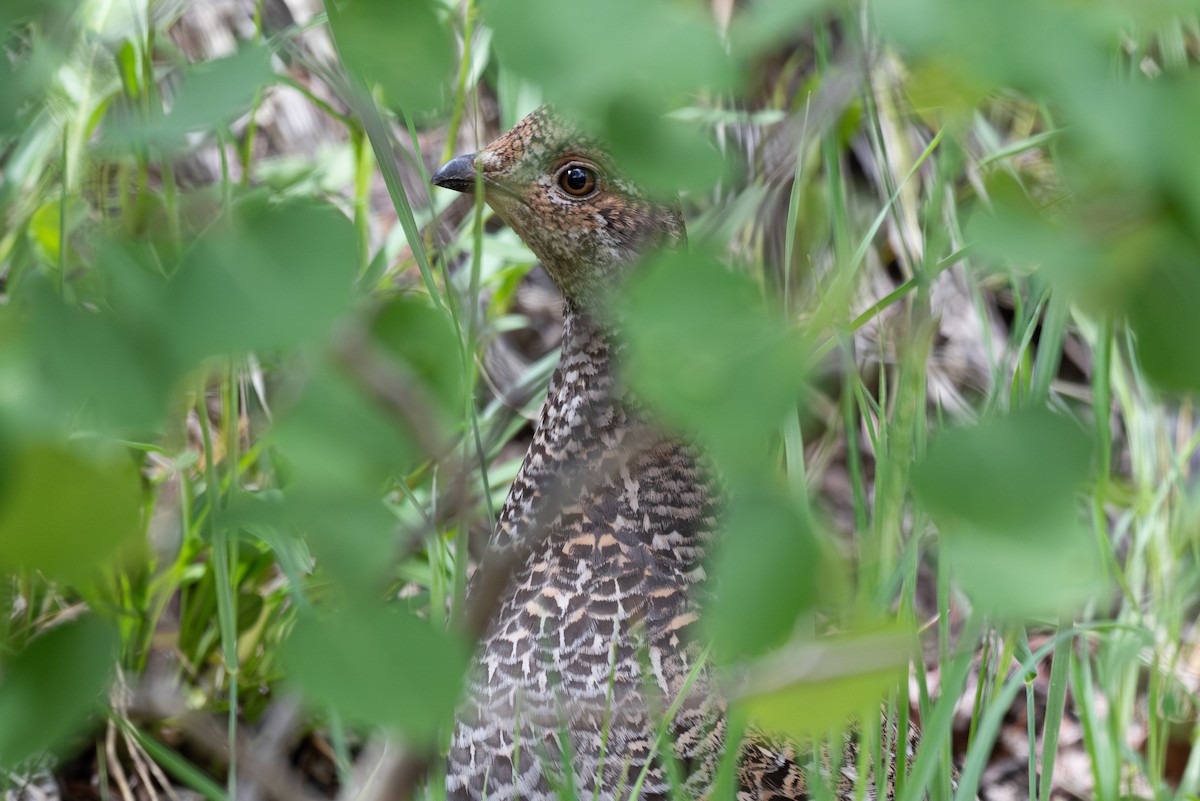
x=48, y=689
x=1003, y=490
x=214, y=91
x=270, y=275
x=669, y=51
x=404, y=48
x=708, y=356
x=64, y=511
x=808, y=691
x=235, y=422
x=776, y=565
x=344, y=658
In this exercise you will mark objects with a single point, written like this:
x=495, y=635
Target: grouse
x=609, y=520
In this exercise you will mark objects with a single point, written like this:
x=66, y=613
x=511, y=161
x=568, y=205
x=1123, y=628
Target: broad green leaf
x=1005, y=472
x=662, y=48
x=1062, y=45
x=216, y=91
x=212, y=95
x=117, y=370
x=419, y=342
x=766, y=570
x=15, y=11
x=1003, y=493
x=1164, y=324
x=339, y=438
x=269, y=275
x=1046, y=568
x=48, y=689
x=769, y=23
x=378, y=665
x=665, y=154
x=813, y=687
x=357, y=427
x=668, y=52
x=349, y=531
x=25, y=78
x=65, y=512
x=401, y=46
x=705, y=353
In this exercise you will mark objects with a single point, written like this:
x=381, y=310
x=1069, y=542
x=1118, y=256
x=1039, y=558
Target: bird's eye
x=577, y=180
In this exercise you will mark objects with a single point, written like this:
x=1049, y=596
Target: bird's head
x=558, y=189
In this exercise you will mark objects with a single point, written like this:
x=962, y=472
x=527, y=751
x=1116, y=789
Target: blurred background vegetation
x=262, y=390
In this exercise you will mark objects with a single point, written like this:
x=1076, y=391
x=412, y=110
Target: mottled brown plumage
x=611, y=521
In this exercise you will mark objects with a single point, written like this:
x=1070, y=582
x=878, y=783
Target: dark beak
x=457, y=174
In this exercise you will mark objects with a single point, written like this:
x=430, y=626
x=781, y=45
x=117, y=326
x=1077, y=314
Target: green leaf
x=811, y=688
x=766, y=569
x=378, y=665
x=667, y=53
x=1043, y=570
x=770, y=23
x=706, y=355
x=663, y=154
x=25, y=78
x=64, y=512
x=217, y=91
x=269, y=275
x=116, y=368
x=401, y=46
x=1062, y=46
x=213, y=94
x=661, y=48
x=1003, y=493
x=420, y=342
x=48, y=689
x=1167, y=337
x=1005, y=472
x=338, y=439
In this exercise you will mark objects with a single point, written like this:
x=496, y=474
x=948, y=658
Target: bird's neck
x=594, y=455
x=586, y=402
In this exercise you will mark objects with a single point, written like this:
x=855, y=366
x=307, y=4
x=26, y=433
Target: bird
x=595, y=641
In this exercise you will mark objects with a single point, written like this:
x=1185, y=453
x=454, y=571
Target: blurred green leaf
x=348, y=529
x=1005, y=472
x=216, y=91
x=337, y=438
x=1167, y=336
x=1118, y=251
x=1003, y=493
x=64, y=512
x=378, y=665
x=420, y=342
x=1033, y=45
x=1044, y=570
x=811, y=688
x=766, y=569
x=48, y=689
x=584, y=53
x=401, y=46
x=14, y=11
x=27, y=69
x=770, y=23
x=269, y=275
x=1140, y=136
x=667, y=51
x=1139, y=131
x=666, y=155
x=212, y=95
x=116, y=368
x=705, y=353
